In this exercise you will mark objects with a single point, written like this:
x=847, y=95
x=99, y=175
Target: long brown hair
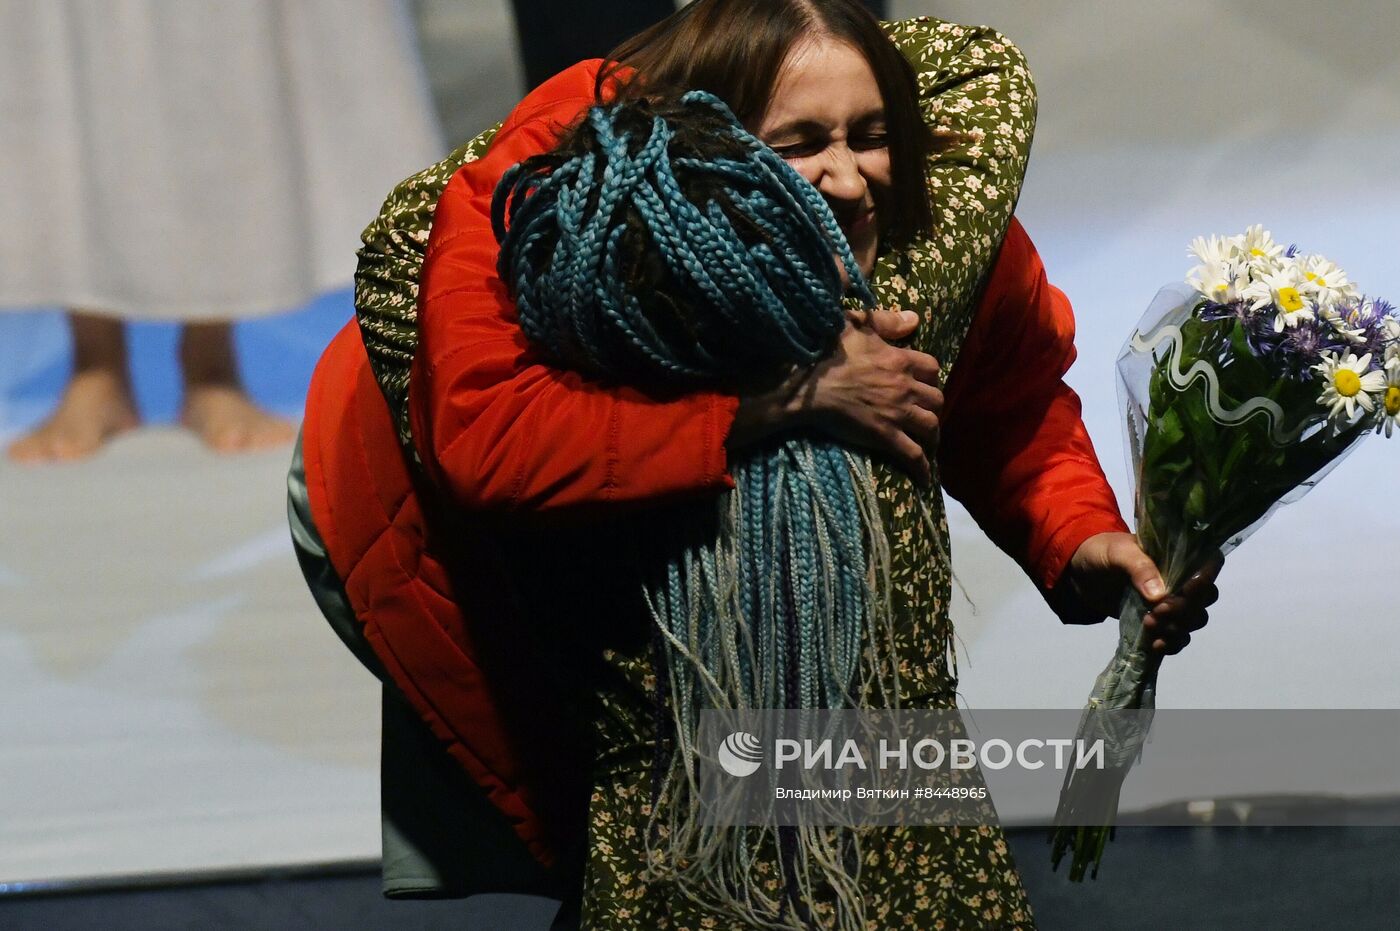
x=735, y=49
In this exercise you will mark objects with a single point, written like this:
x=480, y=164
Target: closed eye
x=798, y=149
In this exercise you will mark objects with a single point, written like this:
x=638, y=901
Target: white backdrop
x=170, y=701
x=1159, y=123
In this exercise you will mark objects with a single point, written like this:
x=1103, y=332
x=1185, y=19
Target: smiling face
x=826, y=118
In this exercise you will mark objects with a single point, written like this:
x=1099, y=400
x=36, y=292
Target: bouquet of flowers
x=1241, y=390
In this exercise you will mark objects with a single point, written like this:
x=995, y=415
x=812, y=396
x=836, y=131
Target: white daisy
x=1343, y=325
x=1347, y=384
x=1221, y=282
x=1280, y=289
x=1257, y=245
x=1217, y=250
x=1392, y=348
x=1324, y=281
x=1388, y=410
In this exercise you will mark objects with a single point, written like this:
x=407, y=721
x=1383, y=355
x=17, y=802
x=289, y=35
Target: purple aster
x=1238, y=310
x=1367, y=319
x=1258, y=328
x=1299, y=348
x=1387, y=311
x=1263, y=338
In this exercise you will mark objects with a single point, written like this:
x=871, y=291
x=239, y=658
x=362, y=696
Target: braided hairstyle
x=663, y=245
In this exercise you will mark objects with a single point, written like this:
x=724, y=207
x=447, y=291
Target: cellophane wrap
x=1217, y=440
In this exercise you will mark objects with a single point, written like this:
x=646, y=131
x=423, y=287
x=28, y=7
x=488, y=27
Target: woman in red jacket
x=507, y=445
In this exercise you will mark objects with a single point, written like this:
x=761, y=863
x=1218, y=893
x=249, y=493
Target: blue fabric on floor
x=276, y=355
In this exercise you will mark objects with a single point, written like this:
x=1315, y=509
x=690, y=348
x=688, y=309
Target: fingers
x=1172, y=622
x=893, y=325
x=923, y=367
x=910, y=455
x=889, y=325
x=882, y=397
x=922, y=425
x=919, y=415
x=1199, y=593
x=1128, y=556
x=1203, y=582
x=1173, y=617
x=927, y=397
x=1169, y=638
x=1177, y=616
x=1173, y=646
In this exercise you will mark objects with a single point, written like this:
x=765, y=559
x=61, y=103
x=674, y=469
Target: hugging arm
x=498, y=429
x=494, y=425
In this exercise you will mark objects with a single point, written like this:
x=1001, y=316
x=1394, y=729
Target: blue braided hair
x=663, y=246
x=664, y=243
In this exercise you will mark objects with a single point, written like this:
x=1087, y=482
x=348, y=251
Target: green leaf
x=1196, y=502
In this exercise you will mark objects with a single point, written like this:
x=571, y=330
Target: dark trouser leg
x=570, y=914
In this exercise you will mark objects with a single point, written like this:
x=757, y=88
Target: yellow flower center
x=1220, y=288
x=1347, y=383
x=1256, y=251
x=1392, y=400
x=1290, y=300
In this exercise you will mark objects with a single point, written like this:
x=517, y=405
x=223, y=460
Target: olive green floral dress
x=972, y=81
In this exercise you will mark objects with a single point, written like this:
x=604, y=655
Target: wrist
x=1070, y=603
x=782, y=407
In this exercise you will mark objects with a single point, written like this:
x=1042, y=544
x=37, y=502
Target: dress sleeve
x=386, y=276
x=494, y=426
x=1014, y=449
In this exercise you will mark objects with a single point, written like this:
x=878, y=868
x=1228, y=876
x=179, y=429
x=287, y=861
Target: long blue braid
x=781, y=609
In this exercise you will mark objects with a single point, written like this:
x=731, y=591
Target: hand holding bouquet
x=1241, y=390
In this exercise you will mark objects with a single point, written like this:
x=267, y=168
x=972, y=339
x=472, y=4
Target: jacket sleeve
x=386, y=275
x=497, y=428
x=1014, y=449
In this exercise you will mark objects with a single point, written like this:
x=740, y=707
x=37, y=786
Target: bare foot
x=217, y=408
x=228, y=421
x=95, y=407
